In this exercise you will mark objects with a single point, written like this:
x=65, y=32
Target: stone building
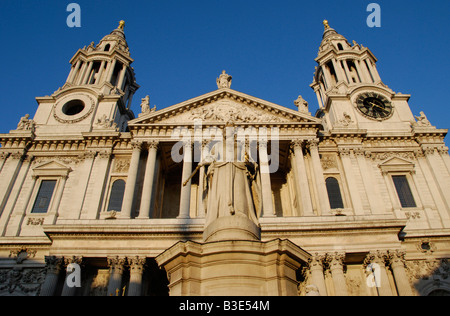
x=224, y=194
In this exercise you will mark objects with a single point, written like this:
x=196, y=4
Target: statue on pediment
x=224, y=80
x=301, y=104
x=422, y=120
x=26, y=124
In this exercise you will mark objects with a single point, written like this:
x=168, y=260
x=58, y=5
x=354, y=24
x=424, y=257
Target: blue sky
x=180, y=48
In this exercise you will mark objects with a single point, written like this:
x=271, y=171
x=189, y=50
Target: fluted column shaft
x=317, y=277
x=147, y=190
x=376, y=262
x=136, y=271
x=116, y=266
x=336, y=265
x=302, y=178
x=185, y=195
x=51, y=280
x=69, y=289
x=268, y=210
x=397, y=259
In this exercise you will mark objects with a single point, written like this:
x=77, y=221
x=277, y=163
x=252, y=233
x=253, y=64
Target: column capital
x=397, y=257
x=344, y=152
x=313, y=143
x=74, y=259
x=116, y=263
x=137, y=264
x=377, y=256
x=136, y=145
x=53, y=264
x=317, y=261
x=335, y=260
x=297, y=143
x=153, y=144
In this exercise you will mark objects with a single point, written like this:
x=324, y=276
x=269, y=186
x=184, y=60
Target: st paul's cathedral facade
x=225, y=193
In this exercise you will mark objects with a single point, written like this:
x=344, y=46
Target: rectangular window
x=44, y=197
x=404, y=191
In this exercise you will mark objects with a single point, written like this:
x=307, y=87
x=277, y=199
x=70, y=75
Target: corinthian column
x=185, y=195
x=397, y=259
x=147, y=190
x=131, y=181
x=116, y=266
x=336, y=264
x=302, y=179
x=70, y=289
x=51, y=280
x=136, y=270
x=316, y=269
x=268, y=210
x=375, y=263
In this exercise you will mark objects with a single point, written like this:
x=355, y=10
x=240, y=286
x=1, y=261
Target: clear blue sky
x=181, y=46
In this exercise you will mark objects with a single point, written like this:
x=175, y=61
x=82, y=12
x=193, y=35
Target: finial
x=325, y=23
x=121, y=25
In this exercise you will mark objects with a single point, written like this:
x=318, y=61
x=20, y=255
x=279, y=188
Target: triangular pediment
x=224, y=106
x=51, y=168
x=397, y=164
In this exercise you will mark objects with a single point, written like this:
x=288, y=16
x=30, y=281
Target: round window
x=73, y=107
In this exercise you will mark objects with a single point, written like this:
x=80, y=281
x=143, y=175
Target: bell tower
x=350, y=91
x=98, y=92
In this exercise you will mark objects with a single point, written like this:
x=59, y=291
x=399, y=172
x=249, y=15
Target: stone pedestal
x=233, y=268
x=237, y=227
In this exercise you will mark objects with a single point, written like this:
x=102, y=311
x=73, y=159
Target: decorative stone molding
x=22, y=281
x=35, y=221
x=426, y=246
x=121, y=165
x=22, y=254
x=428, y=269
x=329, y=162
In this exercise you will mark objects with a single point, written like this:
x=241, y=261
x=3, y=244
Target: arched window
x=334, y=193
x=107, y=47
x=116, y=196
x=340, y=47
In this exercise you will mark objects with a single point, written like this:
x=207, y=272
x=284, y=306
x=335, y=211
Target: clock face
x=374, y=106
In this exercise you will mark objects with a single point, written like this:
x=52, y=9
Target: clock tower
x=97, y=94
x=350, y=91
